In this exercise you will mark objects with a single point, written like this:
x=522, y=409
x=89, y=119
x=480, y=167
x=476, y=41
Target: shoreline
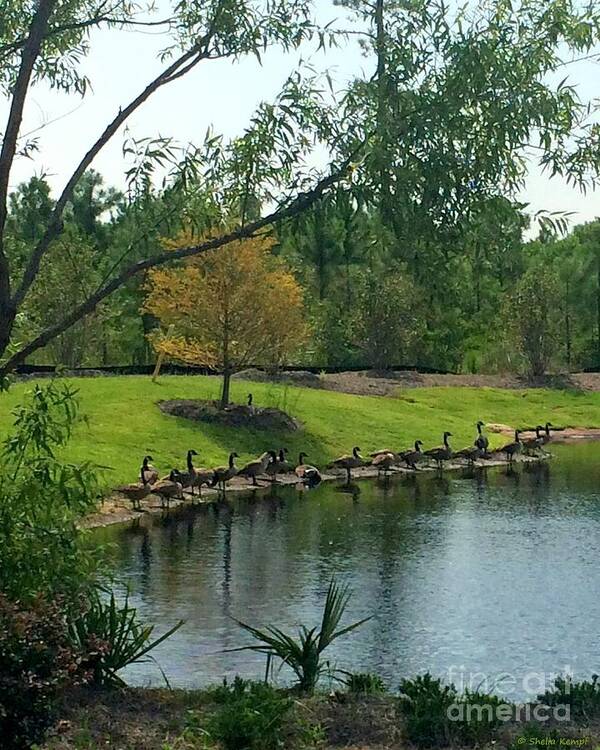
x=117, y=510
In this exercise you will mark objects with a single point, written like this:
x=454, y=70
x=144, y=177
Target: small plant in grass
x=304, y=653
x=424, y=703
x=363, y=683
x=113, y=638
x=583, y=697
x=435, y=714
x=478, y=717
x=251, y=716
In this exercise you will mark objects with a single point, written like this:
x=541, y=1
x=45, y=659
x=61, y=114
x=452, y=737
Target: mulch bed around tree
x=234, y=415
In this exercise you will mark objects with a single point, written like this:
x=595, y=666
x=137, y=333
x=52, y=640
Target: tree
x=534, y=318
x=387, y=320
x=231, y=307
x=457, y=101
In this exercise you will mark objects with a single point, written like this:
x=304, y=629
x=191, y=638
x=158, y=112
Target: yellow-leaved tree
x=228, y=308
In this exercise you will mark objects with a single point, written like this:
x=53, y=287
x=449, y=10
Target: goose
x=381, y=452
x=252, y=469
x=383, y=462
x=307, y=473
x=470, y=454
x=169, y=488
x=348, y=462
x=546, y=437
x=278, y=464
x=150, y=474
x=222, y=474
x=534, y=444
x=196, y=477
x=481, y=441
x=136, y=491
x=442, y=454
x=512, y=449
x=412, y=457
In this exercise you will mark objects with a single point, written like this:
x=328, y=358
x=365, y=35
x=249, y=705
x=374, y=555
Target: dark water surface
x=487, y=573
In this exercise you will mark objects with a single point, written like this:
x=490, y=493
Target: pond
x=484, y=577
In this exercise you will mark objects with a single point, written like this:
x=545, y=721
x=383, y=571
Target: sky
x=220, y=94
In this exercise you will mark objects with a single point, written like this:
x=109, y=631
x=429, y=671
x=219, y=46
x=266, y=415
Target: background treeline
x=480, y=299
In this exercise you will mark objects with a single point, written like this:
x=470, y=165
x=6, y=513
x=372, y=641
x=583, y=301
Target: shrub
x=304, y=654
x=37, y=660
x=435, y=714
x=583, y=698
x=112, y=637
x=251, y=716
x=479, y=712
x=364, y=683
x=41, y=500
x=424, y=704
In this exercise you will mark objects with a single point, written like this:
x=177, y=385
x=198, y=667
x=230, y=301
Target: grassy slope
x=124, y=422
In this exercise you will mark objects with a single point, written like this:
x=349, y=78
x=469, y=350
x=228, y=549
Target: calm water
x=487, y=573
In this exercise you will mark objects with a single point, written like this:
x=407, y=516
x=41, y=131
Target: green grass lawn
x=125, y=423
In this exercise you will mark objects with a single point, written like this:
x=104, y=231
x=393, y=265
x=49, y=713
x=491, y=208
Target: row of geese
x=270, y=464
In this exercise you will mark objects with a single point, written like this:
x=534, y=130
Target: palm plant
x=303, y=653
x=112, y=637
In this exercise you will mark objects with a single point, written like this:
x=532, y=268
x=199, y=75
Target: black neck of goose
x=517, y=440
x=142, y=475
x=281, y=455
x=417, y=446
x=231, y=460
x=446, y=441
x=301, y=458
x=144, y=464
x=547, y=428
x=355, y=452
x=478, y=428
x=190, y=462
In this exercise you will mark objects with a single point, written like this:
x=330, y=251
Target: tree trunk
x=382, y=105
x=598, y=311
x=225, y=388
x=7, y=320
x=567, y=326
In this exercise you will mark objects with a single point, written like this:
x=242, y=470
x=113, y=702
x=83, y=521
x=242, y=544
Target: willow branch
x=179, y=67
x=301, y=203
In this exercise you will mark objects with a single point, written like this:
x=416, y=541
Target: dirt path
x=365, y=383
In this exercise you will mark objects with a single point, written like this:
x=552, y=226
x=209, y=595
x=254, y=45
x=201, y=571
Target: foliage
x=364, y=683
x=583, y=698
x=112, y=637
x=387, y=319
x=531, y=316
x=304, y=654
x=37, y=660
x=251, y=716
x=41, y=499
x=424, y=703
x=436, y=715
x=229, y=308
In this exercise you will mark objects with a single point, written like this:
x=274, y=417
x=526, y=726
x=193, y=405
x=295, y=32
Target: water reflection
x=490, y=570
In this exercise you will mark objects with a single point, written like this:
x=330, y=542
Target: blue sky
x=217, y=93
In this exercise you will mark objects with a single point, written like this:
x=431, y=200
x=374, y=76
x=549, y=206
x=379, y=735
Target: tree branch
x=10, y=49
x=29, y=56
x=182, y=65
x=301, y=203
